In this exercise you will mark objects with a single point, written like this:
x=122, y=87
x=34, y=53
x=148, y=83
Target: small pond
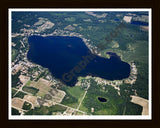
x=102, y=99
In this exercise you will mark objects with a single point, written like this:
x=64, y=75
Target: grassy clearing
x=39, y=88
x=28, y=83
x=78, y=113
x=106, y=112
x=76, y=91
x=83, y=108
x=73, y=96
x=44, y=110
x=14, y=54
x=137, y=52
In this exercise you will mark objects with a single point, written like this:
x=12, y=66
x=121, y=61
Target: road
x=69, y=107
x=81, y=100
x=83, y=97
x=22, y=43
x=20, y=89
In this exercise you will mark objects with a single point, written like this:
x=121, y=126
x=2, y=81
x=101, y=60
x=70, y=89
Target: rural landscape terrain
x=35, y=91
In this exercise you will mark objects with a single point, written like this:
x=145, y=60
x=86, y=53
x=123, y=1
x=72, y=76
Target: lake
x=67, y=58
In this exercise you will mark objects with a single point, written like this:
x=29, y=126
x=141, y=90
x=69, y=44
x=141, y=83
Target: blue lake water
x=139, y=23
x=67, y=58
x=116, y=19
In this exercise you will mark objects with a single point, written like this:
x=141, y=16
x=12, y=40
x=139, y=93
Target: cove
x=67, y=58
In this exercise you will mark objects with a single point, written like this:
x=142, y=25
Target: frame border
x=97, y=117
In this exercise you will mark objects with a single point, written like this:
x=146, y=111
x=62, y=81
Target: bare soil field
x=44, y=87
x=32, y=99
x=17, y=102
x=143, y=102
x=23, y=78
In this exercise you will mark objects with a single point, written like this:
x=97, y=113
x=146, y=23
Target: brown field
x=143, y=102
x=32, y=99
x=57, y=95
x=17, y=102
x=44, y=87
x=23, y=78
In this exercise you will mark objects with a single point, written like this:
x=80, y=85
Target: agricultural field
x=39, y=88
x=13, y=92
x=31, y=99
x=44, y=110
x=31, y=90
x=20, y=94
x=73, y=96
x=43, y=88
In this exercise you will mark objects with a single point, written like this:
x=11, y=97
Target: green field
x=44, y=110
x=28, y=83
x=73, y=96
x=115, y=105
x=31, y=90
x=20, y=94
x=14, y=54
x=13, y=92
